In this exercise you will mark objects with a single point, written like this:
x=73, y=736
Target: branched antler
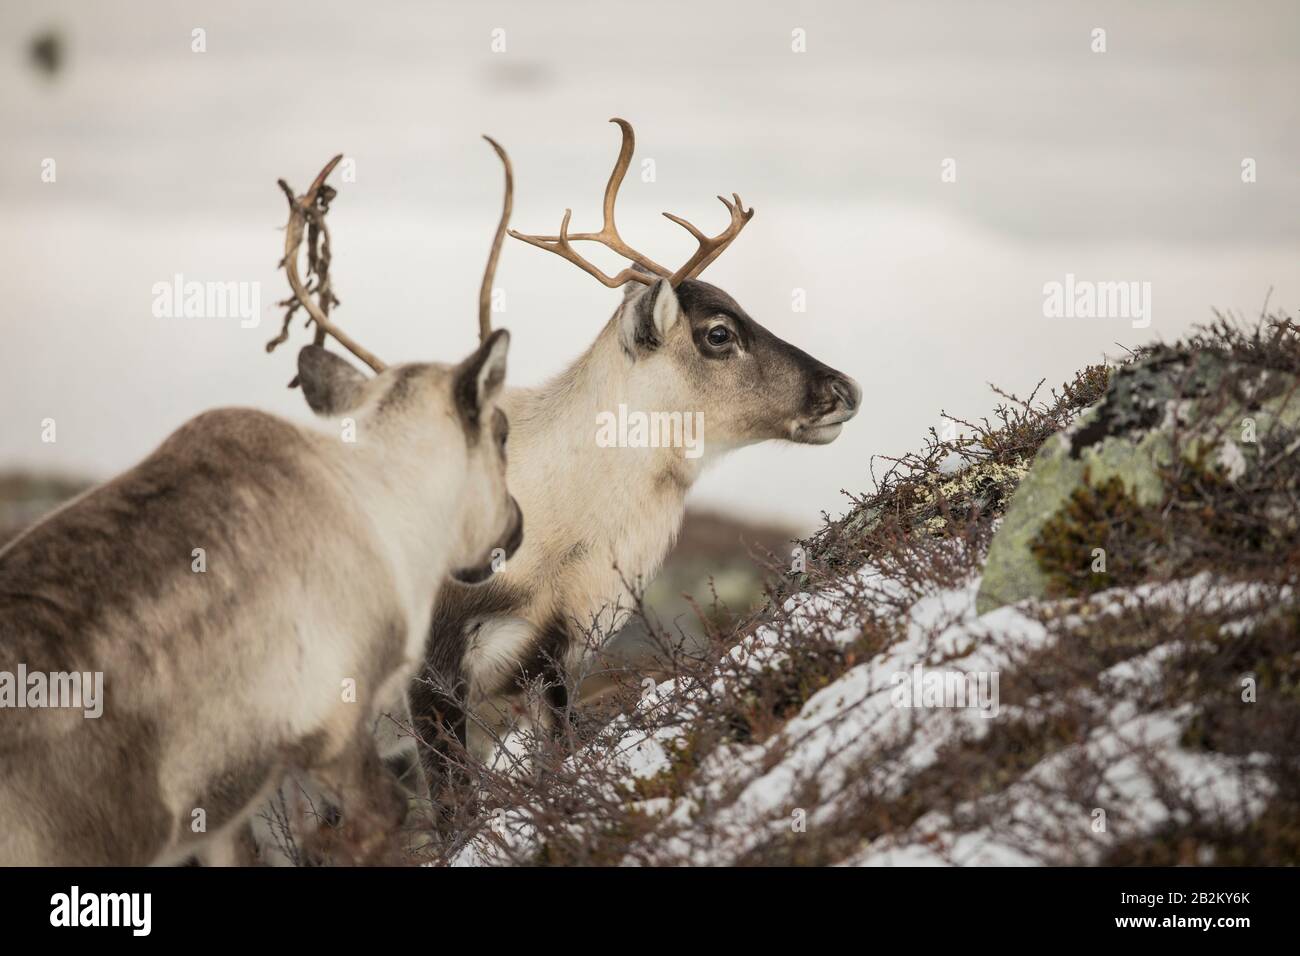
x=308, y=210
x=709, y=247
x=307, y=214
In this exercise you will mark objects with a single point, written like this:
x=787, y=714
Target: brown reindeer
x=251, y=594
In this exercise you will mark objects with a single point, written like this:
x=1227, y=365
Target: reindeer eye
x=719, y=335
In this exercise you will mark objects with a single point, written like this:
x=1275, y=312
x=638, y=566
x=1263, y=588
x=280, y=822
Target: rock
x=1204, y=403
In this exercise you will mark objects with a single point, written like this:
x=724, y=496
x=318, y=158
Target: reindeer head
x=432, y=431
x=435, y=433
x=691, y=346
x=694, y=347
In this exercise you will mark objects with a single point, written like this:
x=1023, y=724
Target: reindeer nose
x=847, y=392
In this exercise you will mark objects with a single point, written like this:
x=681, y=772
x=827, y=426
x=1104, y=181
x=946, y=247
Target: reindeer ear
x=330, y=385
x=636, y=288
x=648, y=316
x=479, y=378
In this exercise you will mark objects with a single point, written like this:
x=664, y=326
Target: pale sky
x=1123, y=165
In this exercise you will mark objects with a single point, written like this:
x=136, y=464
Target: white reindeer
x=601, y=517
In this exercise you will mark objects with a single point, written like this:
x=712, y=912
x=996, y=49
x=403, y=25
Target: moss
x=683, y=758
x=1105, y=516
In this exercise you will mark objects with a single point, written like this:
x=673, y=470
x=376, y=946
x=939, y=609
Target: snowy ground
x=866, y=725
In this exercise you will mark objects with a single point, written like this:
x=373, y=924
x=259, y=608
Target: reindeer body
x=321, y=558
x=598, y=518
x=601, y=519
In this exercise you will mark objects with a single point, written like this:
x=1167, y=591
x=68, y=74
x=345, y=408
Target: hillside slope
x=1066, y=636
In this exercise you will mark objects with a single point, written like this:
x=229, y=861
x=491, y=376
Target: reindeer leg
x=441, y=728
x=394, y=736
x=371, y=806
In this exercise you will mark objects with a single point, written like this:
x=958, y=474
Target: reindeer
x=601, y=518
x=272, y=649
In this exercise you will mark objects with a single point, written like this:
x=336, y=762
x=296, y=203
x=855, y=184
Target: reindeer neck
x=405, y=515
x=627, y=502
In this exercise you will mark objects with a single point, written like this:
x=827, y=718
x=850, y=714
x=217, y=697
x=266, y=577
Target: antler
x=309, y=209
x=709, y=248
x=608, y=235
x=485, y=291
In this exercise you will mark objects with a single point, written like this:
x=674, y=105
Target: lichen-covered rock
x=1225, y=416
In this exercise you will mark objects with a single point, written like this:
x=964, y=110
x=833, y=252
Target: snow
x=857, y=731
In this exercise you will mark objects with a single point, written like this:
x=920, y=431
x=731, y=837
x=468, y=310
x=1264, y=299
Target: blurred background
x=833, y=119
